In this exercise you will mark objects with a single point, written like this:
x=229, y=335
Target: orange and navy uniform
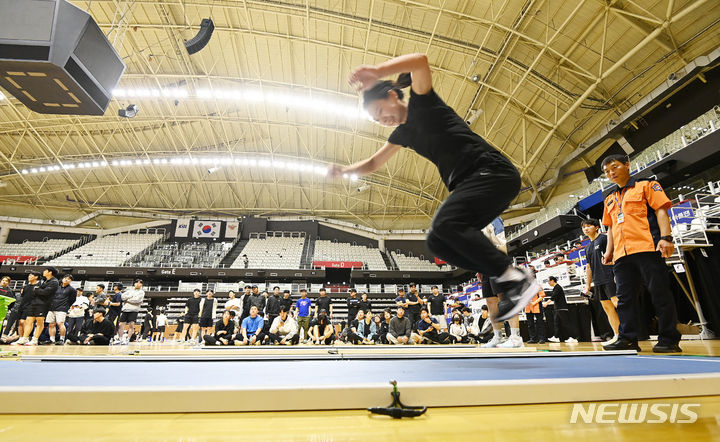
x=631, y=213
x=535, y=308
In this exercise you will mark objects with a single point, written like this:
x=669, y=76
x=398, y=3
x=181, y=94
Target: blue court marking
x=342, y=372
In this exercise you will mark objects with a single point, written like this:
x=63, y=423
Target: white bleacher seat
x=271, y=252
x=108, y=251
x=38, y=249
x=375, y=288
x=336, y=251
x=413, y=263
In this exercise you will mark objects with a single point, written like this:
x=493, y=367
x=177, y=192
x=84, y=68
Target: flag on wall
x=231, y=229
x=206, y=229
x=182, y=228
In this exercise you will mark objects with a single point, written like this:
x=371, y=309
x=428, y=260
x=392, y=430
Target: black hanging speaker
x=55, y=59
x=202, y=38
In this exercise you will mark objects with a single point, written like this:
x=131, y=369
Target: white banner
x=182, y=228
x=206, y=229
x=231, y=229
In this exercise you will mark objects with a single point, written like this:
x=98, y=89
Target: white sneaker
x=21, y=341
x=491, y=343
x=512, y=342
x=610, y=341
x=553, y=339
x=571, y=341
x=31, y=343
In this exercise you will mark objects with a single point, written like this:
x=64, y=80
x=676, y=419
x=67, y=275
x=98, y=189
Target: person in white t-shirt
x=76, y=315
x=159, y=333
x=234, y=304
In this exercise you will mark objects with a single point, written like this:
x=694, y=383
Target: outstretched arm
x=366, y=166
x=364, y=77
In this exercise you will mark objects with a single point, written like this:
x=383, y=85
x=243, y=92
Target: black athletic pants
x=277, y=338
x=536, y=326
x=456, y=231
x=561, y=320
x=212, y=339
x=95, y=340
x=75, y=325
x=649, y=269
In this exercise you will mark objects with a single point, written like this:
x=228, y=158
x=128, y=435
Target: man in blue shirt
x=251, y=329
x=303, y=313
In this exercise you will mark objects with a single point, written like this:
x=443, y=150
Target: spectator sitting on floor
x=429, y=329
x=322, y=333
x=458, y=330
x=98, y=331
x=485, y=329
x=471, y=325
x=284, y=329
x=251, y=329
x=224, y=330
x=364, y=329
x=384, y=327
x=400, y=329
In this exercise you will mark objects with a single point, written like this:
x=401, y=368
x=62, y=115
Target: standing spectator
x=251, y=329
x=148, y=326
x=561, y=315
x=365, y=304
x=414, y=304
x=208, y=312
x=161, y=323
x=272, y=308
x=246, y=261
x=437, y=306
x=323, y=302
x=20, y=309
x=400, y=300
x=234, y=304
x=284, y=329
x=353, y=305
x=429, y=329
x=303, y=313
x=258, y=300
x=101, y=298
x=95, y=332
x=535, y=321
x=115, y=305
x=287, y=302
x=245, y=298
x=224, y=330
x=179, y=329
x=458, y=330
x=40, y=305
x=77, y=313
x=192, y=311
x=132, y=299
x=400, y=330
x=322, y=333
x=6, y=291
x=59, y=306
x=638, y=240
x=599, y=275
x=384, y=327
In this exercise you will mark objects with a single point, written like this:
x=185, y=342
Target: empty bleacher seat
x=108, y=251
x=336, y=251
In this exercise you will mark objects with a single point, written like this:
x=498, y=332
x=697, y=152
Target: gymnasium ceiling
x=545, y=74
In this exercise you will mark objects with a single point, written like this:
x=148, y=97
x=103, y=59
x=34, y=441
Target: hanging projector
x=55, y=59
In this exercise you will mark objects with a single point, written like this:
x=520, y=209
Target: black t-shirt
x=353, y=305
x=437, y=304
x=601, y=274
x=414, y=308
x=434, y=130
x=558, y=297
x=288, y=303
x=117, y=297
x=323, y=303
x=365, y=306
x=207, y=312
x=193, y=305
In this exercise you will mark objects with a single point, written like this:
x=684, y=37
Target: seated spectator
x=458, y=330
x=284, y=329
x=384, y=327
x=363, y=329
x=483, y=329
x=97, y=331
x=429, y=329
x=322, y=333
x=251, y=329
x=400, y=329
x=224, y=330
